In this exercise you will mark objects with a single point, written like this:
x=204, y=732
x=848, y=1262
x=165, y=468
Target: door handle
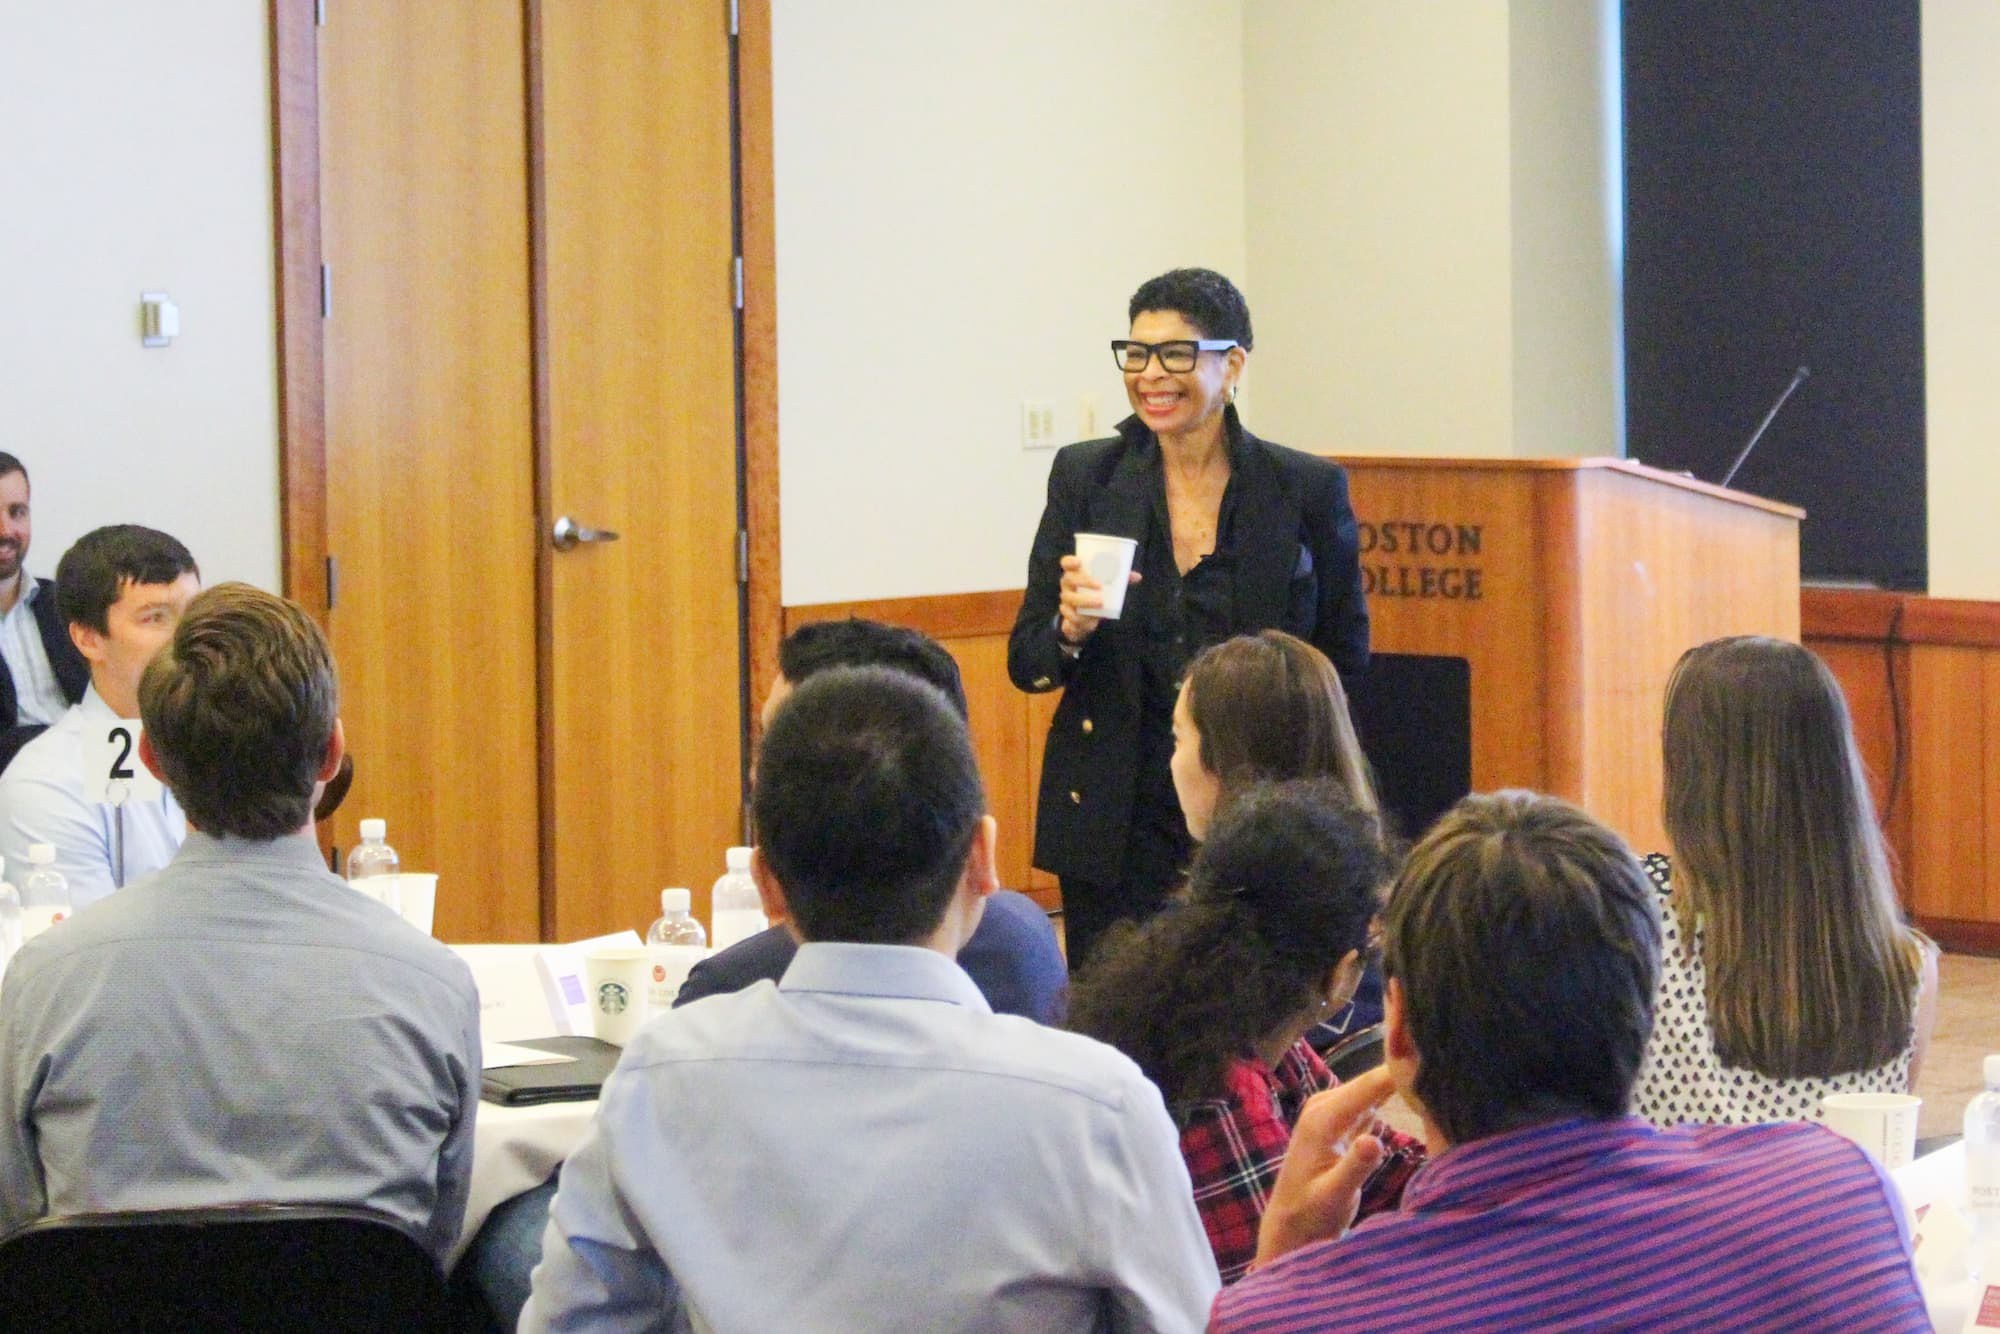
x=568, y=532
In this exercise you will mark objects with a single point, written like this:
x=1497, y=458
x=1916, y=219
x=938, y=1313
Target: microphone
x=1798, y=378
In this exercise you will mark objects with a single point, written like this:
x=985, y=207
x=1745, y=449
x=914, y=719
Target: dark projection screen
x=1773, y=219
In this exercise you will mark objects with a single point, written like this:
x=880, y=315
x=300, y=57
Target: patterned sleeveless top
x=1682, y=1078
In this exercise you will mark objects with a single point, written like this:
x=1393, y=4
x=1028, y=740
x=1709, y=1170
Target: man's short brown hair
x=240, y=706
x=1523, y=934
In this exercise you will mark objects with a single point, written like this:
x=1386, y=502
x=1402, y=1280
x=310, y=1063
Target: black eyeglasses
x=1177, y=355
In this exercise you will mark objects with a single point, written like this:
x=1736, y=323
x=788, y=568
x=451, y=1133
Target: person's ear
x=1396, y=1042
x=769, y=892
x=89, y=642
x=1342, y=980
x=336, y=747
x=982, y=868
x=150, y=757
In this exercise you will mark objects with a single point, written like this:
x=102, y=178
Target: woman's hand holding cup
x=1081, y=597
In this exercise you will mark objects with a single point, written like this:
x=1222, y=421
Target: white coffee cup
x=416, y=898
x=1885, y=1124
x=1108, y=560
x=614, y=987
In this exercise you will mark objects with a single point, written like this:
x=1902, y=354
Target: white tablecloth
x=514, y=1149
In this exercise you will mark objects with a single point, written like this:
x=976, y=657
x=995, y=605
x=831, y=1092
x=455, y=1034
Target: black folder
x=564, y=1081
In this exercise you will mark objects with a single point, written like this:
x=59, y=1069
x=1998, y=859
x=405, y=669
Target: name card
x=112, y=773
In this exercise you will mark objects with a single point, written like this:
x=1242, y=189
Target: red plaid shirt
x=1235, y=1144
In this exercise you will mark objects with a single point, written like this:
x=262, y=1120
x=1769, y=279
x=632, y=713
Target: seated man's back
x=1608, y=1225
x=866, y=1145
x=241, y=1026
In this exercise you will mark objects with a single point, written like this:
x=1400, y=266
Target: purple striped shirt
x=1607, y=1225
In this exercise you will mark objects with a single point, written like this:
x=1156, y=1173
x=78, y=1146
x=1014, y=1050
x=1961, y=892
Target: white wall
x=966, y=197
x=1961, y=113
x=1379, y=227
x=1429, y=256
x=138, y=157
x=1567, y=201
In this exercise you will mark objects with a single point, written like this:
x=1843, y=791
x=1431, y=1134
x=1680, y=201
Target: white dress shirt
x=867, y=1146
x=42, y=801
x=38, y=696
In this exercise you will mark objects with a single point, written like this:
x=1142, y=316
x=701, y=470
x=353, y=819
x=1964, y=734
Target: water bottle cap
x=674, y=901
x=41, y=854
x=1990, y=1068
x=737, y=859
x=373, y=829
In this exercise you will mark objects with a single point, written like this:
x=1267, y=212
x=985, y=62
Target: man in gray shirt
x=240, y=1026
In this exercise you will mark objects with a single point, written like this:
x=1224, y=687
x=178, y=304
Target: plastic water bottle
x=674, y=945
x=1982, y=1176
x=44, y=892
x=372, y=855
x=10, y=921
x=738, y=910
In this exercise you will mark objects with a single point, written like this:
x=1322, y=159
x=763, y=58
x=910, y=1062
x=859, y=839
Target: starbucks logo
x=613, y=998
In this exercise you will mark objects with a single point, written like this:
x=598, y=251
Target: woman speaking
x=1233, y=534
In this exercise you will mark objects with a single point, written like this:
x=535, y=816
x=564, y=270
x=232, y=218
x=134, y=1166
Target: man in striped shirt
x=1521, y=957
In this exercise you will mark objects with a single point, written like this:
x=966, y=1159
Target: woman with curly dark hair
x=1213, y=998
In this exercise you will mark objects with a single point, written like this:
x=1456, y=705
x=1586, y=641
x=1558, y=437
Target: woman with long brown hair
x=1257, y=708
x=1787, y=970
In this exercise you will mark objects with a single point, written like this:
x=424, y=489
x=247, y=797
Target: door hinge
x=739, y=282
x=332, y=581
x=742, y=556
x=326, y=291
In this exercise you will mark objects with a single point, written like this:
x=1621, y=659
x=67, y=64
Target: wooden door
x=429, y=459
x=528, y=222
x=646, y=704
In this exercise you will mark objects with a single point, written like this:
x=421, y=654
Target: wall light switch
x=1038, y=424
x=1086, y=417
x=159, y=319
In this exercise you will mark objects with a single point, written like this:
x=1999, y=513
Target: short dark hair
x=1282, y=889
x=1206, y=299
x=1523, y=934
x=9, y=465
x=819, y=645
x=240, y=706
x=93, y=573
x=867, y=800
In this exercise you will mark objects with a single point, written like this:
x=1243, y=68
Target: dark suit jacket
x=72, y=672
x=1012, y=958
x=1296, y=568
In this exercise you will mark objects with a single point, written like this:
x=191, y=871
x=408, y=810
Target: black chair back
x=234, y=1267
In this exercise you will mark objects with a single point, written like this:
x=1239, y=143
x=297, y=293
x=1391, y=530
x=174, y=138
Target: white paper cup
x=1108, y=560
x=381, y=888
x=416, y=897
x=1885, y=1124
x=614, y=986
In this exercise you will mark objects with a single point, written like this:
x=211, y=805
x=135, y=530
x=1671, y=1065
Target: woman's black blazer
x=1296, y=568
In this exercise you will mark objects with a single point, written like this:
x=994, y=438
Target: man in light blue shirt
x=120, y=590
x=242, y=1026
x=865, y=1144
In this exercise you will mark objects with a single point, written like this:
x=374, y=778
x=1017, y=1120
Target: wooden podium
x=1569, y=587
